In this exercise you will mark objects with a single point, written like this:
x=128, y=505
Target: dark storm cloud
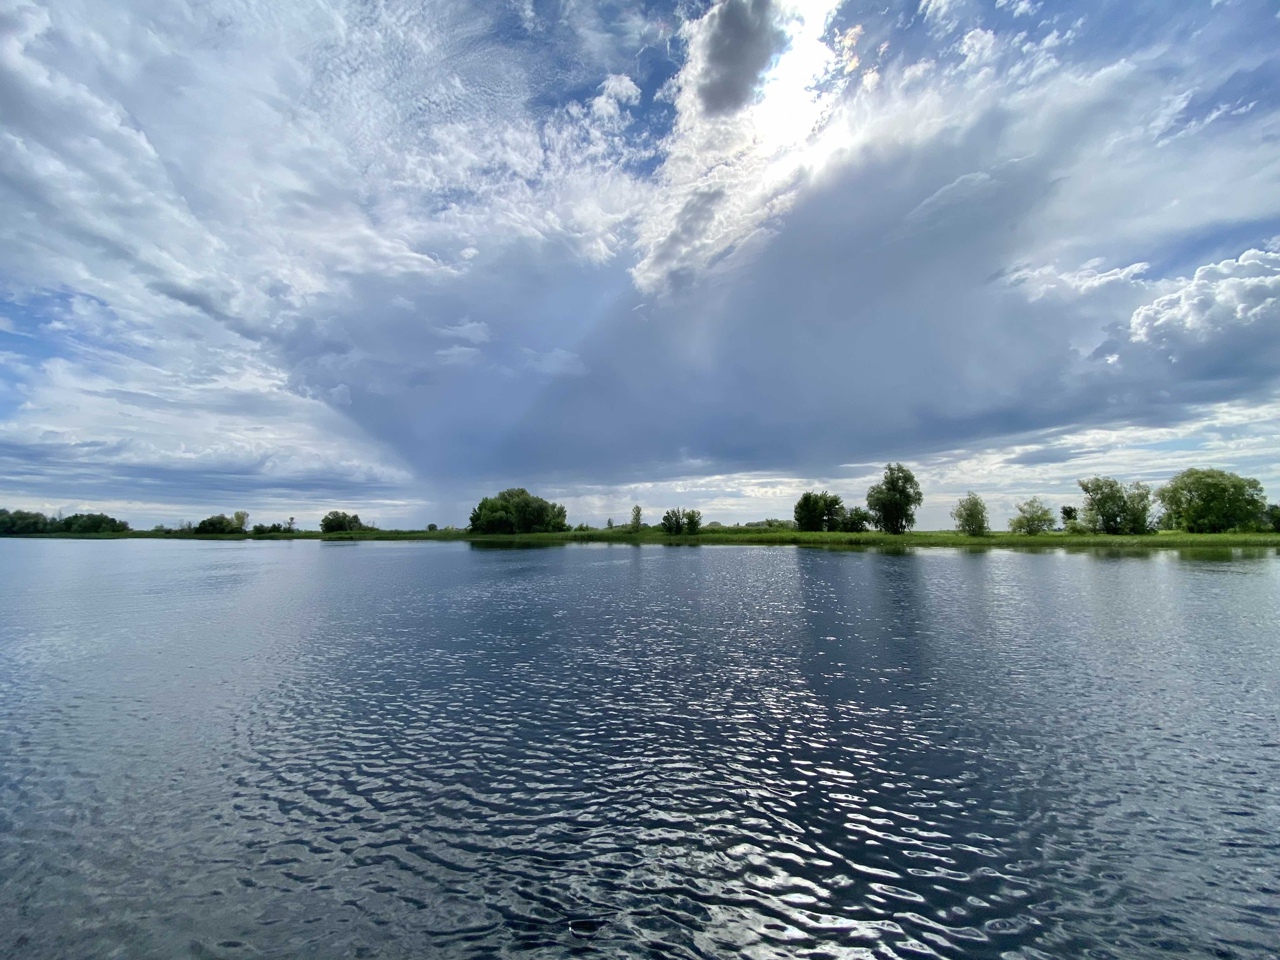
x=741, y=38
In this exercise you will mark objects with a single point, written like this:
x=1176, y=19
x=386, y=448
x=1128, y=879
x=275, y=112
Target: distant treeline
x=1194, y=501
x=15, y=523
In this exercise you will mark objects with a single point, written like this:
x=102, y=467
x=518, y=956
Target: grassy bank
x=744, y=536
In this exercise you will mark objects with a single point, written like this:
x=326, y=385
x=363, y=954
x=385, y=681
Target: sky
x=391, y=256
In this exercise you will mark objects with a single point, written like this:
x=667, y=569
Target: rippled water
x=430, y=750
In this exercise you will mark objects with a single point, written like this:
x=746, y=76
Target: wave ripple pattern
x=425, y=750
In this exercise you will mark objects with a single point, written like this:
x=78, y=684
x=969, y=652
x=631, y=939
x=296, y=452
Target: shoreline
x=735, y=537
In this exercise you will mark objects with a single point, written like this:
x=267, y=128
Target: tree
x=432, y=528
x=517, y=511
x=636, y=515
x=1212, y=501
x=608, y=524
x=1069, y=515
x=240, y=518
x=1034, y=517
x=692, y=522
x=218, y=524
x=970, y=515
x=1273, y=517
x=818, y=511
x=336, y=521
x=88, y=523
x=673, y=522
x=22, y=522
x=855, y=520
x=1115, y=508
x=893, y=501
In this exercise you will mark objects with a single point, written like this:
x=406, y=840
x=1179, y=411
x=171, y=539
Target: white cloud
x=472, y=331
x=1234, y=297
x=556, y=362
x=944, y=13
x=458, y=356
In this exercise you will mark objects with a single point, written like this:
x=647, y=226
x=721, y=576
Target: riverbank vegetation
x=1197, y=507
x=18, y=523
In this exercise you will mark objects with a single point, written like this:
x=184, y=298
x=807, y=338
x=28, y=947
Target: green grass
x=944, y=538
x=754, y=536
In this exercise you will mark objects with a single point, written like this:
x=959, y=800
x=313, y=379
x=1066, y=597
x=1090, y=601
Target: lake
x=313, y=749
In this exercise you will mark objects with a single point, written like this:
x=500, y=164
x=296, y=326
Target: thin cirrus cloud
x=318, y=253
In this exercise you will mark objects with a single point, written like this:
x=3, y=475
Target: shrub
x=1034, y=517
x=855, y=520
x=970, y=515
x=517, y=511
x=336, y=521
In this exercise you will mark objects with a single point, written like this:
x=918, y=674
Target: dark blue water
x=429, y=750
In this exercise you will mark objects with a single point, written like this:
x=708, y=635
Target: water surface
x=429, y=750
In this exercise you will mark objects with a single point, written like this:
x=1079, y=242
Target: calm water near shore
x=313, y=749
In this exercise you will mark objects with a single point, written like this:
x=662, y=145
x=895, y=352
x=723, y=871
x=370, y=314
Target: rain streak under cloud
x=394, y=256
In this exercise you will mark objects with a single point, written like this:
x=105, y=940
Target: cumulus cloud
x=1222, y=299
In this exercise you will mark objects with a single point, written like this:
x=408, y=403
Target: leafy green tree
x=970, y=515
x=855, y=520
x=894, y=500
x=1273, y=517
x=808, y=511
x=517, y=511
x=88, y=523
x=693, y=522
x=22, y=523
x=608, y=524
x=673, y=522
x=1212, y=501
x=1034, y=517
x=336, y=521
x=636, y=516
x=217, y=524
x=262, y=528
x=818, y=511
x=240, y=518
x=1112, y=507
x=432, y=528
x=1069, y=515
